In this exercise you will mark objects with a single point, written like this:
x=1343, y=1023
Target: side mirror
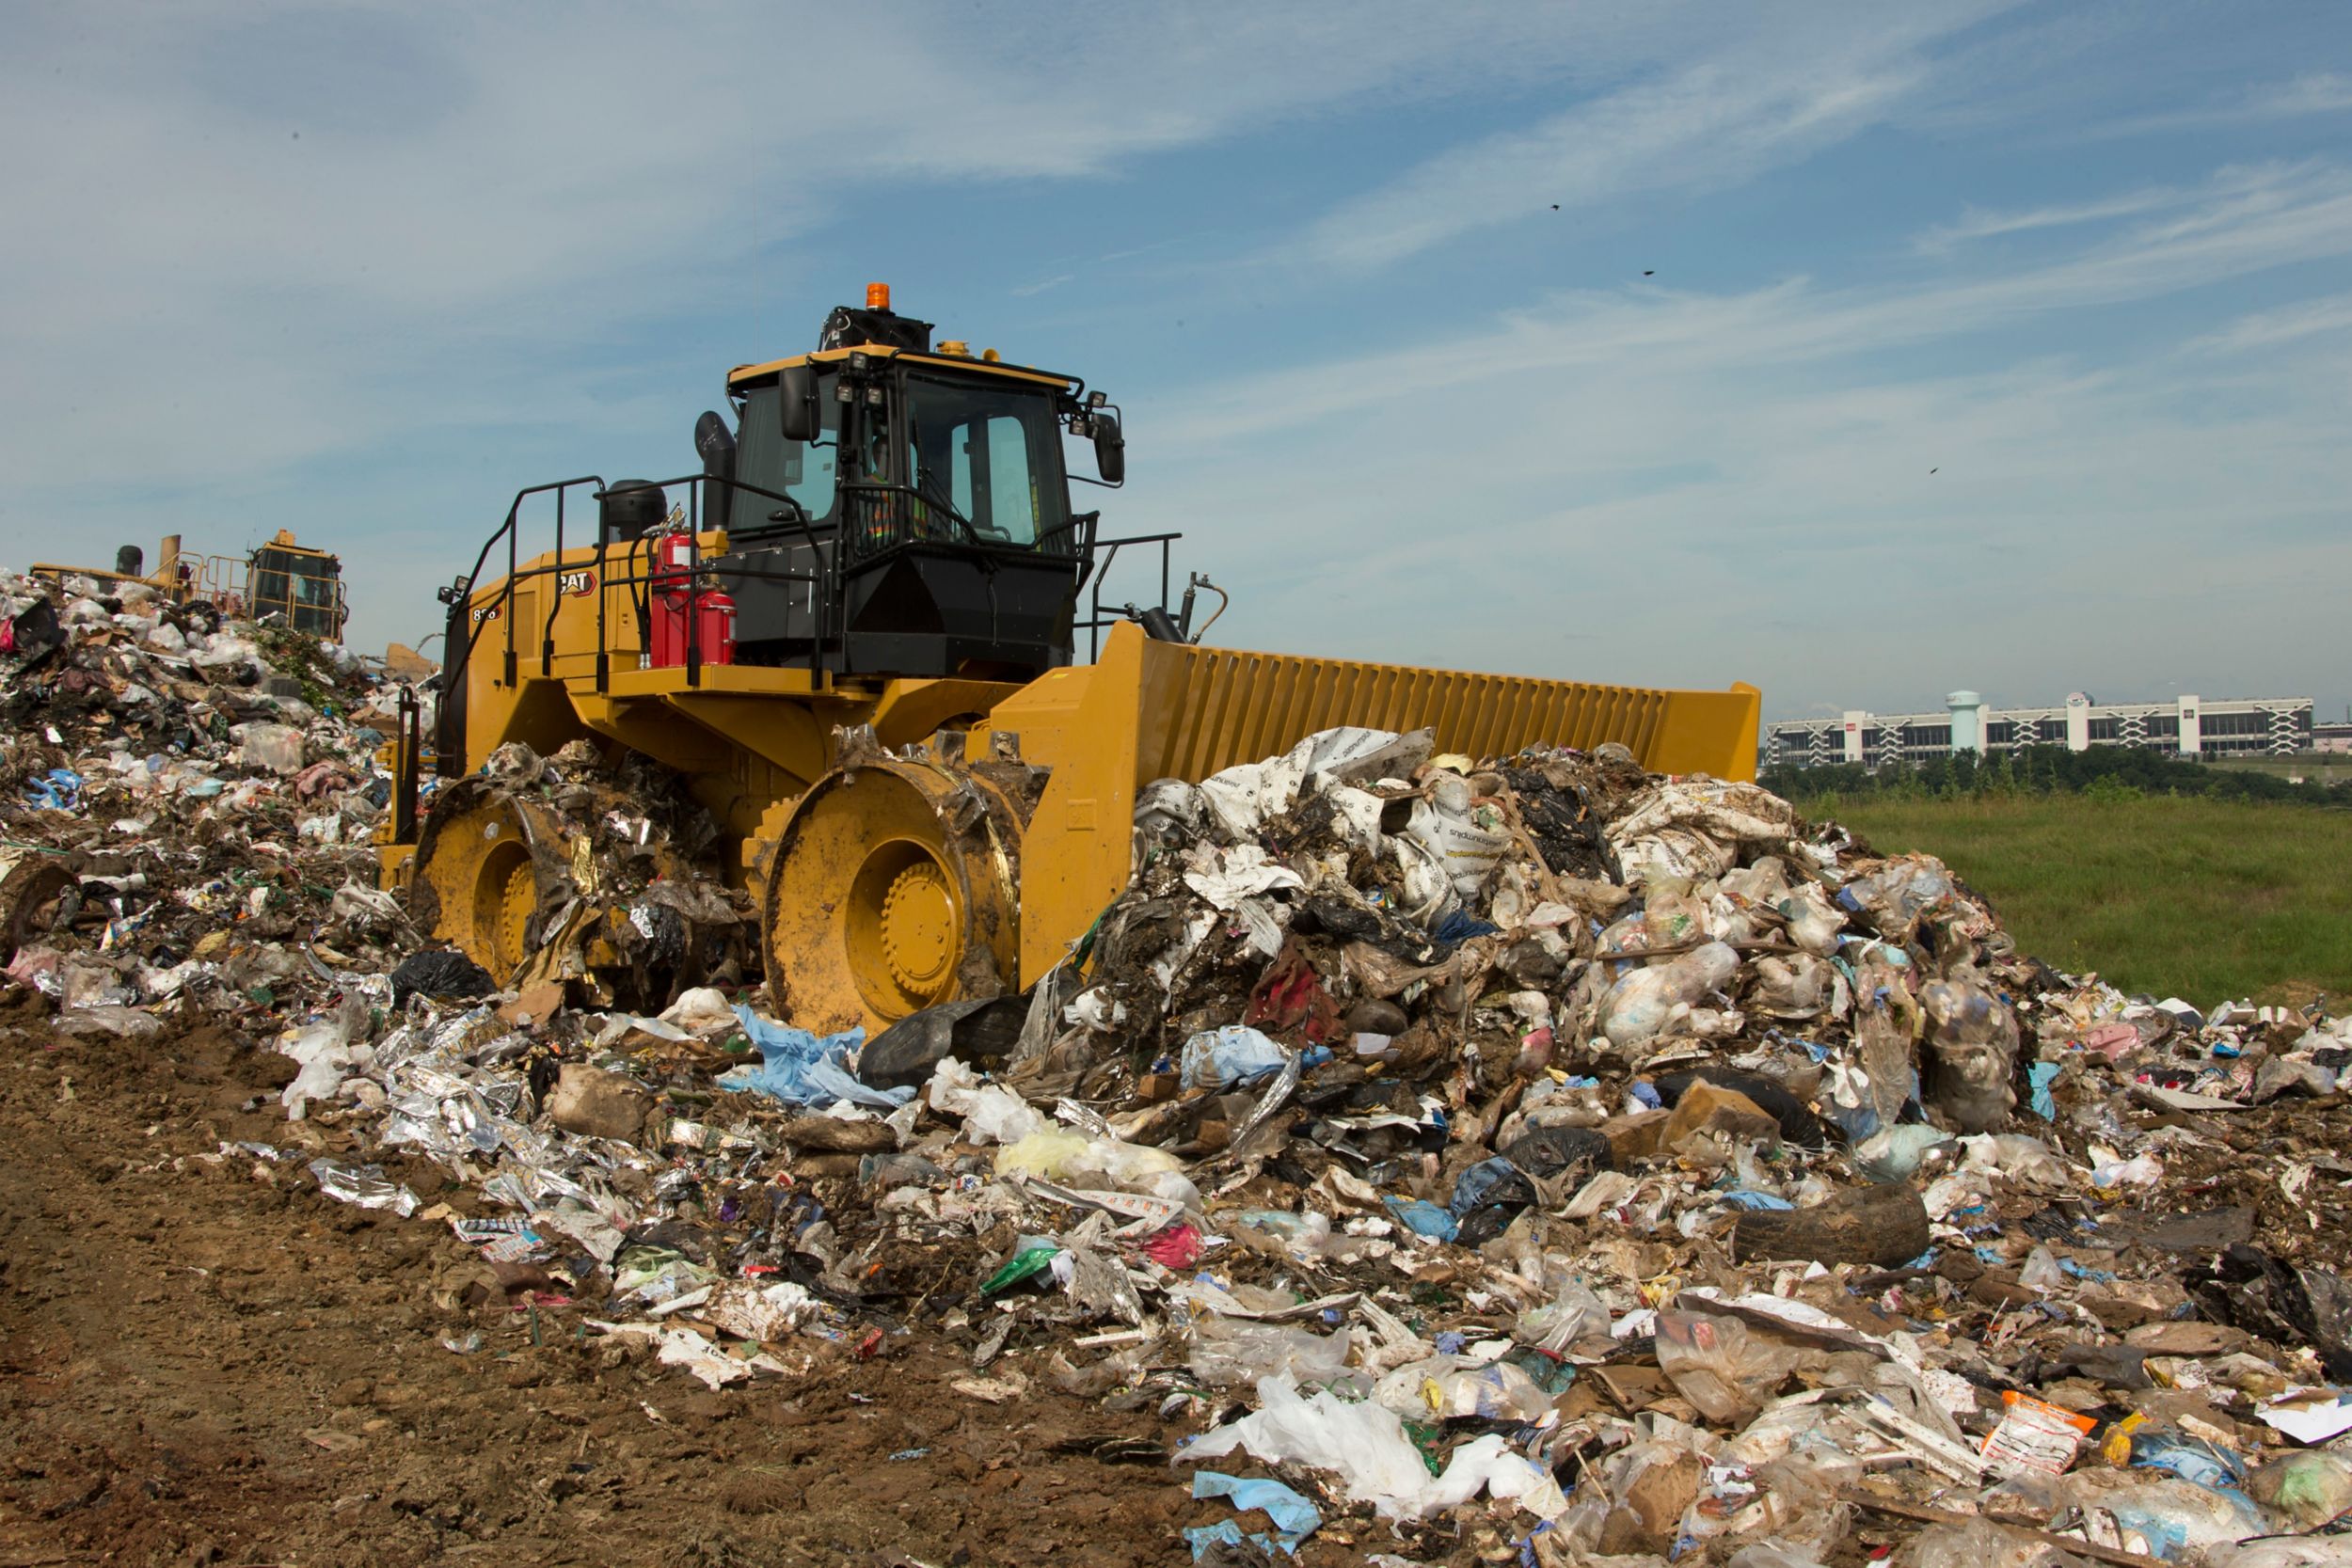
x=1110, y=450
x=796, y=402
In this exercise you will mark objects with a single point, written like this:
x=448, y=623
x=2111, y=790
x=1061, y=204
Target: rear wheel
x=481, y=878
x=893, y=887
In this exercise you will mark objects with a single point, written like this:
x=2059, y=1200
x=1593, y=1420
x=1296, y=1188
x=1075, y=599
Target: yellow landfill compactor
x=854, y=638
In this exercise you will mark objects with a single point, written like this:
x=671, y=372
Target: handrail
x=404, y=768
x=459, y=664
x=511, y=531
x=1082, y=550
x=1094, y=627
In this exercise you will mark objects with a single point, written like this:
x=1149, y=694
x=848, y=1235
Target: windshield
x=994, y=453
x=803, y=470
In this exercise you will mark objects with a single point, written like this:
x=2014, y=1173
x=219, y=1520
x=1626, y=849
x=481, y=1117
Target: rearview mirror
x=1110, y=450
x=795, y=401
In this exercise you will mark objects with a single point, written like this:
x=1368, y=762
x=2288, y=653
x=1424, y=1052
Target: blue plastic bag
x=1423, y=1218
x=1217, y=1058
x=61, y=790
x=1293, y=1516
x=2042, y=1075
x=800, y=1069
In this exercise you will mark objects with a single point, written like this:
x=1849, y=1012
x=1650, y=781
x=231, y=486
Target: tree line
x=2103, y=772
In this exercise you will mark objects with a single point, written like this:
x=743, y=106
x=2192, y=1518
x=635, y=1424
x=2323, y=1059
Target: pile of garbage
x=1525, y=1159
x=189, y=803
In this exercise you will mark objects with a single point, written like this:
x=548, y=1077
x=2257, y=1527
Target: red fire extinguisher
x=678, y=605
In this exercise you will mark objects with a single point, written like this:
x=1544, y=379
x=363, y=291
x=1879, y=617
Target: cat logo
x=577, y=584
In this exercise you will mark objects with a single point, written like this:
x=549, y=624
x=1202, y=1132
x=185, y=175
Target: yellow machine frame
x=762, y=749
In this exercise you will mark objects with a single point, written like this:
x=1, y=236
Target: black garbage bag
x=442, y=973
x=978, y=1034
x=2247, y=1287
x=1546, y=1151
x=1487, y=1197
x=36, y=632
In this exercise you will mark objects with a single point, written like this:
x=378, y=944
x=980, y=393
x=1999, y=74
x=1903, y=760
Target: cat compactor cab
x=853, y=636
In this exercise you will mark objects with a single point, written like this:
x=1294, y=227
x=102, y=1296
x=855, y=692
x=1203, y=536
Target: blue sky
x=1862, y=352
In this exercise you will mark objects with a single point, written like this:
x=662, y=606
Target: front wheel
x=894, y=886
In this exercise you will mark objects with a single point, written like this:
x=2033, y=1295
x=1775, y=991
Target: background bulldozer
x=852, y=638
x=296, y=581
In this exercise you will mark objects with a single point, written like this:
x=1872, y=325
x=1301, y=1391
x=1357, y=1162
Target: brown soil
x=201, y=1364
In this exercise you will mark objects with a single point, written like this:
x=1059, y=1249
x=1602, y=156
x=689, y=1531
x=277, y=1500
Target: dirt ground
x=200, y=1365
x=205, y=1361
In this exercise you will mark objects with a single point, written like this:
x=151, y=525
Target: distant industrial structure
x=2188, y=727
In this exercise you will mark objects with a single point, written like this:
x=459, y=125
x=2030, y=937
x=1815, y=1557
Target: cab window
x=806, y=472
x=989, y=453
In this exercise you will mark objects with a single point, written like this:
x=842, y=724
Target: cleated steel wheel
x=893, y=886
x=485, y=862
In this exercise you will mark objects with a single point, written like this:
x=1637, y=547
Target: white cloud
x=1684, y=489
x=2321, y=93
x=1744, y=101
x=252, y=243
x=1988, y=224
x=2303, y=217
x=294, y=220
x=2271, y=330
x=2313, y=94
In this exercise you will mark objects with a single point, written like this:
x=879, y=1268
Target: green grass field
x=2202, y=899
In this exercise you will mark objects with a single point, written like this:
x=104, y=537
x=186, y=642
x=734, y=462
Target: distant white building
x=2188, y=727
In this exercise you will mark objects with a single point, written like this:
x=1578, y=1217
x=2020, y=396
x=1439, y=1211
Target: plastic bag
x=1977, y=1543
x=1971, y=1053
x=1463, y=837
x=2042, y=1274
x=1892, y=1154
x=324, y=1050
x=2312, y=1489
x=1639, y=1005
x=996, y=1115
x=1049, y=1153
x=223, y=649
x=2171, y=1518
x=1234, y=1054
x=1772, y=1554
x=2021, y=1158
x=1723, y=1366
x=1573, y=1313
x=1229, y=1353
x=1453, y=1387
x=802, y=1069
x=1366, y=1446
x=1307, y=1235
x=1056, y=1154
x=2324, y=1551
x=1237, y=800
x=1897, y=893
x=1791, y=987
x=442, y=973
x=275, y=747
